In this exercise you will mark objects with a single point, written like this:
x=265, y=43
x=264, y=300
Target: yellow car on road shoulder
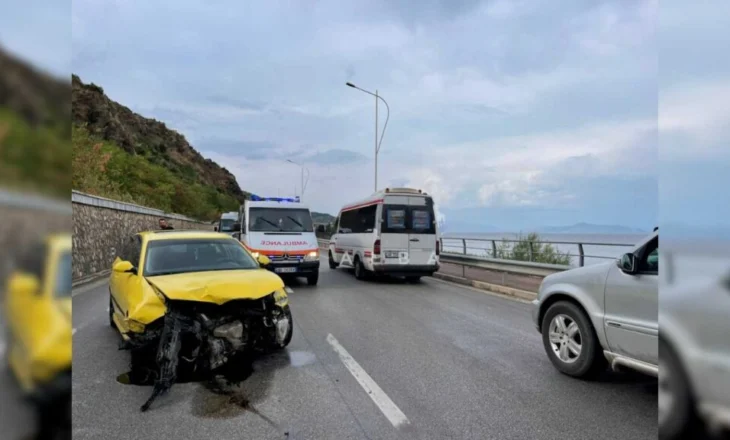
x=39, y=324
x=202, y=294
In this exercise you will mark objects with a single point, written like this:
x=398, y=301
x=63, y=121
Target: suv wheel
x=676, y=414
x=570, y=341
x=333, y=263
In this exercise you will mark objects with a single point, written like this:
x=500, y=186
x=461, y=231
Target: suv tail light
x=376, y=247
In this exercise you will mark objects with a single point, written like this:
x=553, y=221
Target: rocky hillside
x=35, y=147
x=152, y=139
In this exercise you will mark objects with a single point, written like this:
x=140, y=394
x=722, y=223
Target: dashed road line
x=383, y=402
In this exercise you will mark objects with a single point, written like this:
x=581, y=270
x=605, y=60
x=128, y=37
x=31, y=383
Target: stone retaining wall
x=24, y=220
x=100, y=225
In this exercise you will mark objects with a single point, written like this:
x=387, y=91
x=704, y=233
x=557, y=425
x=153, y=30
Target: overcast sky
x=514, y=114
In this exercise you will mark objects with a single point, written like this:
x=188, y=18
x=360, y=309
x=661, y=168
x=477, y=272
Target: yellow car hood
x=217, y=287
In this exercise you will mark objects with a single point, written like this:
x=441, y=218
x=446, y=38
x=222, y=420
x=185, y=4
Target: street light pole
x=302, y=178
x=378, y=143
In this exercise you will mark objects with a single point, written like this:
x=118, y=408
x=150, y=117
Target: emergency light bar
x=255, y=198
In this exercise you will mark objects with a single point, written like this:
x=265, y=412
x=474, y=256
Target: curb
x=90, y=278
x=493, y=288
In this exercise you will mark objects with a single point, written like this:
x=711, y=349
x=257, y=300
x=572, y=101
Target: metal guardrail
x=103, y=202
x=484, y=262
x=494, y=251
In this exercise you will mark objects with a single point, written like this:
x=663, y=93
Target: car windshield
x=227, y=225
x=280, y=220
x=165, y=257
x=62, y=287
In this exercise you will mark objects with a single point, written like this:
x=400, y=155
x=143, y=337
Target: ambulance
x=282, y=229
x=393, y=232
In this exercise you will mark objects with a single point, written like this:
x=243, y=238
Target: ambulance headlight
x=312, y=256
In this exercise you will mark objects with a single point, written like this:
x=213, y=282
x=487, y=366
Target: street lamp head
x=351, y=85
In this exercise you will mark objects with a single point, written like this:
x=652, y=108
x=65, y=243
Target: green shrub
x=104, y=169
x=37, y=159
x=531, y=248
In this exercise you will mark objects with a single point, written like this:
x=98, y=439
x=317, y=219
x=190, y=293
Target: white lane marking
x=386, y=406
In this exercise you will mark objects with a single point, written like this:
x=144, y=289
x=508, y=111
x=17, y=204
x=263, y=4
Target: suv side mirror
x=627, y=263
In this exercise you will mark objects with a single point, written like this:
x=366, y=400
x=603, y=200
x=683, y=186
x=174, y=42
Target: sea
x=597, y=248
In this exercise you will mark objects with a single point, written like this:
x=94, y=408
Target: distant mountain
x=588, y=228
x=318, y=217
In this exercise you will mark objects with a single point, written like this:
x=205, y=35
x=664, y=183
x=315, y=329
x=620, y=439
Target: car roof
x=174, y=234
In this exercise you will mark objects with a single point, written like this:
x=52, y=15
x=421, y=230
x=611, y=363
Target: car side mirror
x=236, y=226
x=123, y=266
x=24, y=284
x=263, y=260
x=627, y=263
x=321, y=229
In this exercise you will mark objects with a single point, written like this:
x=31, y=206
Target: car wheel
x=413, y=280
x=570, y=341
x=359, y=269
x=333, y=263
x=313, y=279
x=676, y=414
x=111, y=312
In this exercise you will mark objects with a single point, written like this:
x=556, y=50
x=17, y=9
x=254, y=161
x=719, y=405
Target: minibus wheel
x=359, y=269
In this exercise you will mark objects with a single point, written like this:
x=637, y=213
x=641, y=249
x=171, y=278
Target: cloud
x=509, y=104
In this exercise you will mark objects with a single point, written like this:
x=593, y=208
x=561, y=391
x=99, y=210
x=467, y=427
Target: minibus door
x=422, y=231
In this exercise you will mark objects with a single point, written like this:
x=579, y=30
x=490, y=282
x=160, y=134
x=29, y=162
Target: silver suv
x=608, y=314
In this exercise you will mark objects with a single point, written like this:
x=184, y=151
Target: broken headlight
x=281, y=298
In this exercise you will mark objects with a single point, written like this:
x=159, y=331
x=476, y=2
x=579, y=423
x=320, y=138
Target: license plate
x=391, y=254
x=285, y=269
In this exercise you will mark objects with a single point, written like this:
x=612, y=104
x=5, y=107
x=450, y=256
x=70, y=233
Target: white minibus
x=393, y=232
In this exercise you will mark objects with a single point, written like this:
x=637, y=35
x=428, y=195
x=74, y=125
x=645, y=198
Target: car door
x=394, y=234
x=123, y=284
x=631, y=303
x=422, y=231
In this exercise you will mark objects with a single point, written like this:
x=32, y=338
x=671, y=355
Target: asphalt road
x=370, y=360
x=17, y=419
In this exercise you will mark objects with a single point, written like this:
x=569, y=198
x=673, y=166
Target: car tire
x=112, y=324
x=360, y=272
x=678, y=416
x=577, y=334
x=413, y=279
x=333, y=263
x=313, y=279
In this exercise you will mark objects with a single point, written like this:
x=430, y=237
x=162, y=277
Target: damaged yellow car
x=39, y=327
x=193, y=300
